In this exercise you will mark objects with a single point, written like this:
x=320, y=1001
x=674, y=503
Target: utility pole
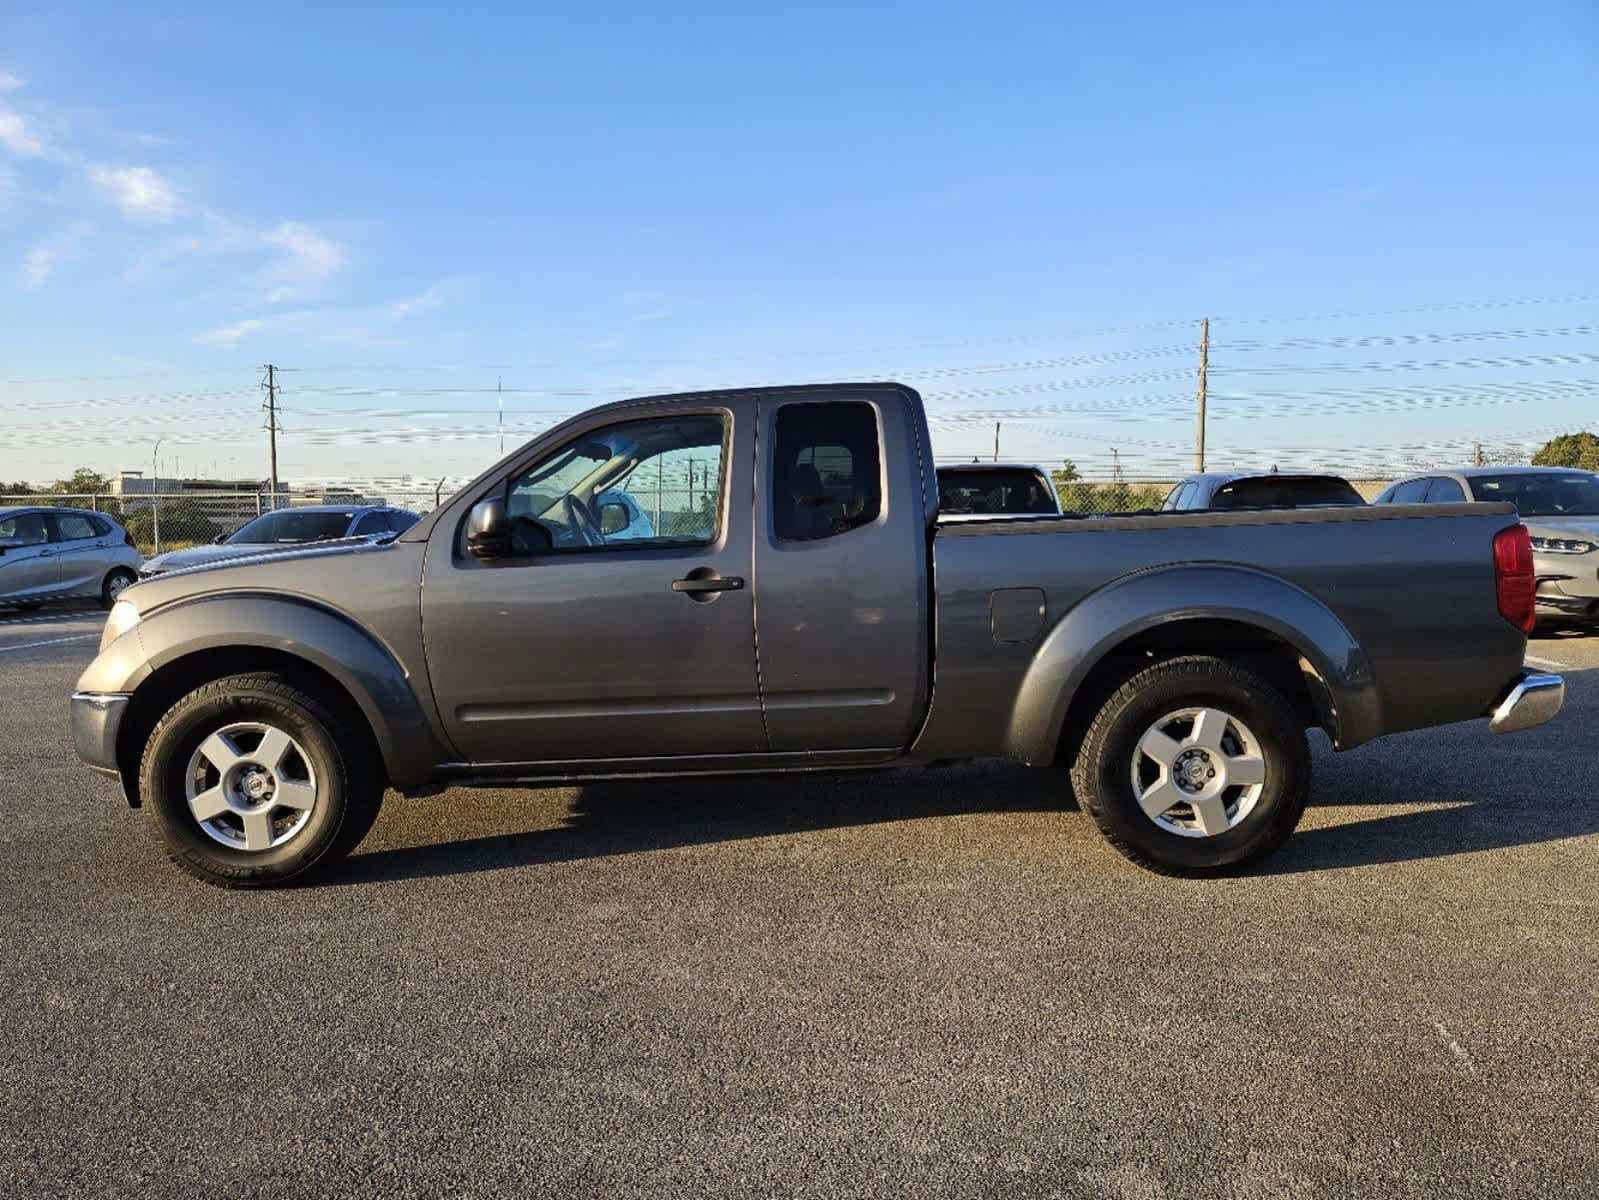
x=271, y=386
x=155, y=488
x=1115, y=465
x=500, y=395
x=1204, y=367
x=996, y=441
x=1476, y=453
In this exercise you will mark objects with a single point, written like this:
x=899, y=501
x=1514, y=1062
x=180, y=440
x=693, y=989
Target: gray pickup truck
x=758, y=581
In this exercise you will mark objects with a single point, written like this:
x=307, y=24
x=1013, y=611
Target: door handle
x=715, y=583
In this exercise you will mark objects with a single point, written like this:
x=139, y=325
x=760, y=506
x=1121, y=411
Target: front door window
x=649, y=483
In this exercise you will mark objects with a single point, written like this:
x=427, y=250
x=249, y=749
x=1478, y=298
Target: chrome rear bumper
x=1532, y=701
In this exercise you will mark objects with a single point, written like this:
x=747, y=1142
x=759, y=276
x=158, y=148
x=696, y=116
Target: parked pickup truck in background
x=1224, y=491
x=987, y=489
x=807, y=612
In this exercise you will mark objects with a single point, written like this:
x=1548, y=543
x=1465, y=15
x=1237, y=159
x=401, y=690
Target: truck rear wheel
x=1194, y=767
x=254, y=780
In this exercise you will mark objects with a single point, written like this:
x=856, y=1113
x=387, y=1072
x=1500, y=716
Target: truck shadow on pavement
x=468, y=831
x=1526, y=797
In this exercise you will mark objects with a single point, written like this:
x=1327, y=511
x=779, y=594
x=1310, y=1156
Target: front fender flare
x=368, y=671
x=1146, y=600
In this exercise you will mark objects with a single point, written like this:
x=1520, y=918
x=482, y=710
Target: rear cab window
x=827, y=469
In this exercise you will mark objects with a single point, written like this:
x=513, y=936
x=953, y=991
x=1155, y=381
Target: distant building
x=137, y=483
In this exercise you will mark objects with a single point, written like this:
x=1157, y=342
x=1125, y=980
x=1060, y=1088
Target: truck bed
x=1400, y=603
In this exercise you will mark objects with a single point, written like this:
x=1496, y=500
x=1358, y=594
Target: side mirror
x=488, y=532
x=219, y=539
x=614, y=517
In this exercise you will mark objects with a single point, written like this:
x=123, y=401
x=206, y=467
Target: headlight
x=122, y=617
x=1562, y=545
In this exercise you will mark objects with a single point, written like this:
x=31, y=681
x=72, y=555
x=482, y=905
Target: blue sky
x=406, y=203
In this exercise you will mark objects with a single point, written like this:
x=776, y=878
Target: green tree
x=1108, y=499
x=82, y=482
x=183, y=523
x=19, y=488
x=1570, y=450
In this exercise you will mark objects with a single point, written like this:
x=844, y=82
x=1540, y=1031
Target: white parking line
x=1548, y=662
x=80, y=637
x=11, y=622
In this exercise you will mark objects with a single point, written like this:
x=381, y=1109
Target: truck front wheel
x=1194, y=767
x=253, y=780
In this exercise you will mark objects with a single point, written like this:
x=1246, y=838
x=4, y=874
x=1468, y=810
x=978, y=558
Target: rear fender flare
x=1136, y=603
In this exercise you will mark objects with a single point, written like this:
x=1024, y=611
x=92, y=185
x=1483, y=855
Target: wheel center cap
x=256, y=784
x=1194, y=770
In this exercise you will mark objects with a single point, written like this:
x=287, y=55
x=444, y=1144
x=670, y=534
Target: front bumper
x=96, y=717
x=1534, y=699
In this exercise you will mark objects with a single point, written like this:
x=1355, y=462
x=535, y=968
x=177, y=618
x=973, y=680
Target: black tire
x=106, y=588
x=1102, y=776
x=347, y=772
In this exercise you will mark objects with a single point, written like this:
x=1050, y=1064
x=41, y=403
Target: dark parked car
x=61, y=554
x=812, y=613
x=1233, y=490
x=989, y=489
x=289, y=528
x=1558, y=505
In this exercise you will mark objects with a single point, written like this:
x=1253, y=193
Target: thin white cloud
x=365, y=325
x=280, y=262
x=228, y=335
x=38, y=266
x=307, y=260
x=426, y=300
x=14, y=135
x=42, y=259
x=140, y=193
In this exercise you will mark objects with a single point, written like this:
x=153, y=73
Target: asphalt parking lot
x=934, y=983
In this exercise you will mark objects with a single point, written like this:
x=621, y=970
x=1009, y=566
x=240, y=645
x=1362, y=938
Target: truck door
x=634, y=635
x=841, y=570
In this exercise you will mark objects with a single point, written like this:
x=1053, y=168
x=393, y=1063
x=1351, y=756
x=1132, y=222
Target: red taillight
x=1514, y=577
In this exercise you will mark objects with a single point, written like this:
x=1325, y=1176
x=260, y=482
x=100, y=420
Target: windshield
x=1278, y=491
x=288, y=527
x=999, y=490
x=1540, y=495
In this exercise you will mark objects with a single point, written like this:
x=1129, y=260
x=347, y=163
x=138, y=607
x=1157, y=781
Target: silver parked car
x=1558, y=505
x=288, y=528
x=63, y=553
